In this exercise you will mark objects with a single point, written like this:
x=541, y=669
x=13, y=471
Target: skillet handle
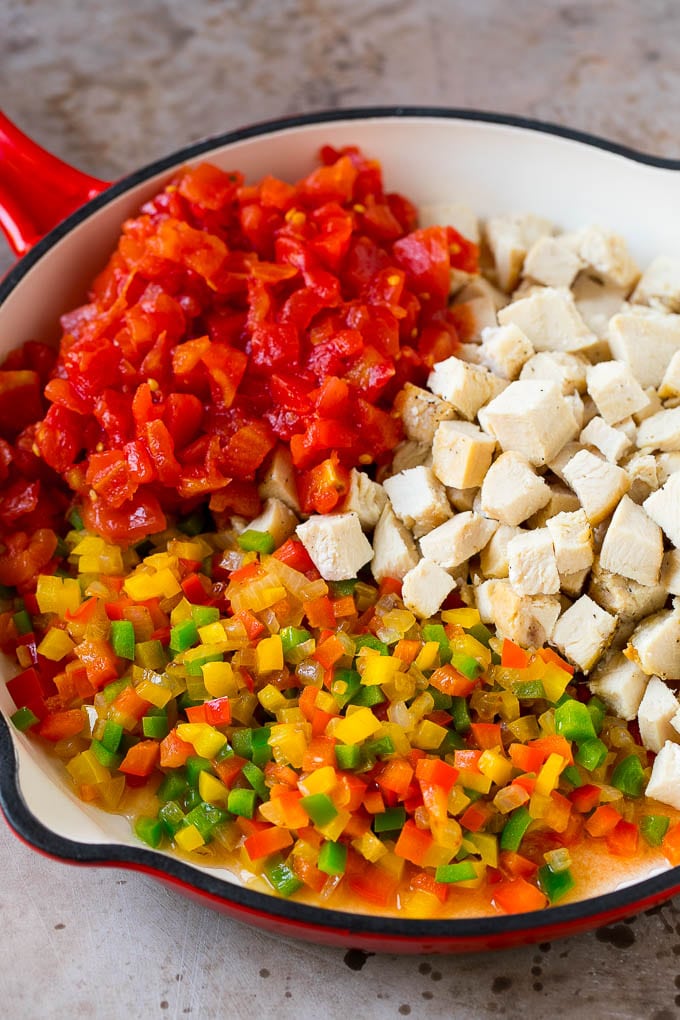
x=37, y=190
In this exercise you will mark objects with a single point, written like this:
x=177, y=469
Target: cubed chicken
x=567, y=370
x=641, y=469
x=655, y=645
x=493, y=559
x=425, y=587
x=512, y=491
x=552, y=262
x=572, y=540
x=645, y=343
x=670, y=384
x=410, y=454
x=613, y=443
x=605, y=254
x=510, y=238
x=421, y=412
x=583, y=632
x=658, y=706
x=461, y=454
x=661, y=431
x=653, y=405
x=629, y=600
x=663, y=506
x=455, y=541
x=549, y=318
x=572, y=585
x=596, y=303
x=450, y=214
x=276, y=518
x=664, y=782
x=532, y=418
x=394, y=551
x=528, y=620
x=633, y=544
x=466, y=387
x=667, y=464
x=504, y=349
x=532, y=565
x=615, y=390
x=659, y=285
x=598, y=484
x=473, y=316
x=562, y=500
x=670, y=572
x=620, y=683
x=418, y=499
x=366, y=498
x=278, y=481
x=336, y=544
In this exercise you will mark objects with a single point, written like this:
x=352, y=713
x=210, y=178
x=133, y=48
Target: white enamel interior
x=492, y=167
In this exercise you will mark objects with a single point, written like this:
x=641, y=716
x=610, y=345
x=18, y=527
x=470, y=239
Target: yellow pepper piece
x=289, y=743
x=428, y=735
x=90, y=545
x=212, y=633
x=326, y=702
x=206, y=740
x=474, y=781
x=156, y=694
x=143, y=585
x=457, y=800
x=289, y=715
x=555, y=681
x=269, y=654
x=524, y=729
x=57, y=594
x=55, y=645
x=379, y=669
x=85, y=769
x=400, y=620
x=321, y=780
x=428, y=655
x=211, y=788
x=420, y=903
x=465, y=616
x=496, y=766
x=356, y=727
x=181, y=612
x=548, y=777
x=196, y=550
x=370, y=847
x=475, y=883
x=487, y=846
x=272, y=699
x=334, y=829
x=189, y=838
x=219, y=679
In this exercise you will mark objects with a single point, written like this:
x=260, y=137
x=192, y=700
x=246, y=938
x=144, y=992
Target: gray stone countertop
x=110, y=86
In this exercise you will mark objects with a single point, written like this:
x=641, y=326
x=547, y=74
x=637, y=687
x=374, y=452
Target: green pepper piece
x=262, y=752
x=572, y=775
x=123, y=639
x=628, y=776
x=194, y=766
x=654, y=828
x=206, y=817
x=150, y=655
x=112, y=690
x=242, y=803
x=242, y=742
x=109, y=759
x=371, y=641
x=320, y=808
x=460, y=714
x=183, y=636
x=195, y=666
x=192, y=798
x=435, y=632
x=527, y=689
x=480, y=633
x=255, y=777
x=203, y=615
x=514, y=829
x=346, y=683
x=75, y=520
x=155, y=726
x=22, y=622
x=379, y=748
x=573, y=721
x=367, y=697
x=348, y=756
x=251, y=540
x=464, y=871
x=591, y=754
x=291, y=637
x=23, y=719
x=332, y=858
x=555, y=884
x=173, y=786
x=171, y=816
x=149, y=830
x=340, y=588
x=441, y=700
x=453, y=741
x=281, y=876
x=467, y=665
x=390, y=820
x=598, y=711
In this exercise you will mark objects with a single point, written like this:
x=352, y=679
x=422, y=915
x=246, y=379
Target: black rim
x=27, y=826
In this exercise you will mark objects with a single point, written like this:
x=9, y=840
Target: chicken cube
x=633, y=544
x=653, y=405
x=661, y=431
x=664, y=782
x=509, y=238
x=532, y=418
x=572, y=540
x=659, y=285
x=466, y=387
x=658, y=706
x=511, y=490
x=493, y=559
x=366, y=498
x=425, y=587
x=528, y=620
x=573, y=584
x=655, y=645
x=531, y=562
x=562, y=500
x=549, y=319
x=552, y=262
x=459, y=538
x=583, y=632
x=336, y=544
x=461, y=454
x=641, y=469
x=278, y=481
x=567, y=370
x=627, y=599
x=645, y=343
x=606, y=254
x=461, y=499
x=418, y=499
x=421, y=412
x=670, y=572
x=663, y=506
x=666, y=465
x=596, y=302
x=450, y=214
x=670, y=384
x=473, y=316
x=615, y=390
x=394, y=551
x=598, y=484
x=504, y=350
x=410, y=454
x=620, y=683
x=613, y=443
x=277, y=518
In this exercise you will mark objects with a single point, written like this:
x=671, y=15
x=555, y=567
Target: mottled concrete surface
x=109, y=86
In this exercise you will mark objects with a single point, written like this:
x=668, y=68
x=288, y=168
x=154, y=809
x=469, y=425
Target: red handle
x=37, y=190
